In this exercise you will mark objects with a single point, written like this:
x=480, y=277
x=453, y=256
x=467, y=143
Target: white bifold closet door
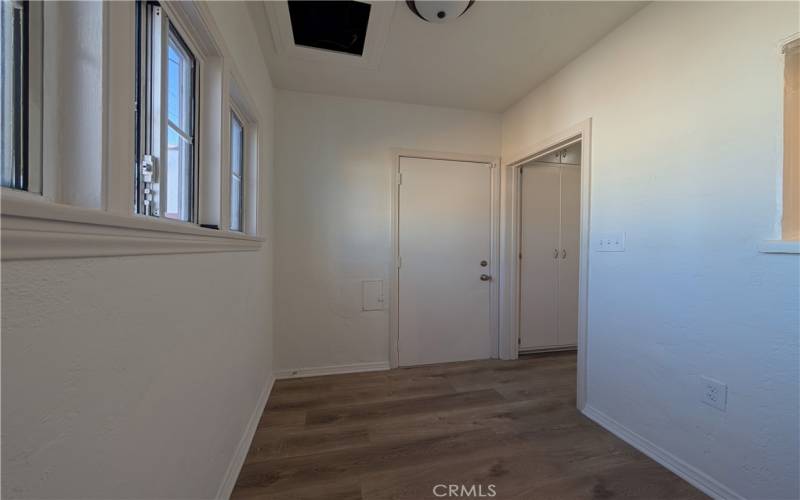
x=539, y=262
x=549, y=250
x=568, y=260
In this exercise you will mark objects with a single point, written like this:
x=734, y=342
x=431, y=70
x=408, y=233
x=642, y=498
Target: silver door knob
x=485, y=277
x=564, y=254
x=555, y=253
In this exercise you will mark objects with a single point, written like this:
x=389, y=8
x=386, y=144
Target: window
x=237, y=173
x=66, y=130
x=20, y=65
x=167, y=173
x=791, y=142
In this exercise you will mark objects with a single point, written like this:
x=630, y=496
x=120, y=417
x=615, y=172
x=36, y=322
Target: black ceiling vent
x=340, y=26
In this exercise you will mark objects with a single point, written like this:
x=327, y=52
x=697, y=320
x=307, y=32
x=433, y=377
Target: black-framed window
x=166, y=170
x=20, y=94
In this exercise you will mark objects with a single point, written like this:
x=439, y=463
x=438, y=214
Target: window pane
x=236, y=145
x=12, y=66
x=179, y=171
x=236, y=204
x=178, y=176
x=174, y=85
x=237, y=167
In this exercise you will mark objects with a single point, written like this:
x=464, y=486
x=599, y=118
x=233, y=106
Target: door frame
x=509, y=255
x=494, y=257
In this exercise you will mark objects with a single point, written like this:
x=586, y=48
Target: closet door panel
x=539, y=221
x=568, y=260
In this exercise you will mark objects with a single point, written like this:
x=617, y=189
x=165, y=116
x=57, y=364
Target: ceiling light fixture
x=439, y=11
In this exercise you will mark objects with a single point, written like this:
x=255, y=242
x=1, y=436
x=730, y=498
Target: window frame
x=785, y=243
x=790, y=195
x=236, y=115
x=153, y=38
x=27, y=121
x=240, y=103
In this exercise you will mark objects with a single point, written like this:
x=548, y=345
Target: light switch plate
x=372, y=295
x=714, y=393
x=610, y=242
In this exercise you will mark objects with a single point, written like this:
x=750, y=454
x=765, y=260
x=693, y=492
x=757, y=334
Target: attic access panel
x=339, y=26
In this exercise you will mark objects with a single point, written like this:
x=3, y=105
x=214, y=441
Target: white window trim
x=239, y=102
x=38, y=229
x=780, y=246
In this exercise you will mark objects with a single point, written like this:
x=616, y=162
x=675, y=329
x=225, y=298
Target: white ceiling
x=486, y=60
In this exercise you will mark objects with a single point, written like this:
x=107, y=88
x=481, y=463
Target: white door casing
x=509, y=283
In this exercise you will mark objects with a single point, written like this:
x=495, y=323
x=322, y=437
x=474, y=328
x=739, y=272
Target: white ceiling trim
x=380, y=19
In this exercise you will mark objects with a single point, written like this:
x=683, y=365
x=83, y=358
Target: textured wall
x=684, y=99
x=333, y=161
x=134, y=377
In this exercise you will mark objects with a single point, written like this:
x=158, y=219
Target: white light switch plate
x=610, y=242
x=714, y=393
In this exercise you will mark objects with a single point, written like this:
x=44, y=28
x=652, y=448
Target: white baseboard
x=332, y=370
x=691, y=474
x=235, y=465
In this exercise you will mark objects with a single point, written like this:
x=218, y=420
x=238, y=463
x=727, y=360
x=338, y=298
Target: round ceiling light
x=439, y=11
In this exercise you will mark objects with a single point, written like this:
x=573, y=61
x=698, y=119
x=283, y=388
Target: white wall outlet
x=610, y=242
x=715, y=393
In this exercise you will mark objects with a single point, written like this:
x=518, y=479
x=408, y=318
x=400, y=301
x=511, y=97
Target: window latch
x=149, y=173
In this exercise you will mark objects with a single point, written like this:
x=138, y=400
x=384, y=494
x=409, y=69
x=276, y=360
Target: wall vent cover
x=339, y=26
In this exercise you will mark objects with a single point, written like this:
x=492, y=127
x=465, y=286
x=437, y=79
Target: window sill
x=38, y=229
x=780, y=246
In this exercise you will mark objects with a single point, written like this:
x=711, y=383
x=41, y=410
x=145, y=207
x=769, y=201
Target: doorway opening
x=576, y=140
x=549, y=250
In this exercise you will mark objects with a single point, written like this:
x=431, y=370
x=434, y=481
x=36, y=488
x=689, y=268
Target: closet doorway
x=549, y=250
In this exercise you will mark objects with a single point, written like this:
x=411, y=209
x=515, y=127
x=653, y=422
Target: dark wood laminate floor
x=396, y=434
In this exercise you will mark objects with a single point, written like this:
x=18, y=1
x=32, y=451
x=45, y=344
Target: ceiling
x=485, y=60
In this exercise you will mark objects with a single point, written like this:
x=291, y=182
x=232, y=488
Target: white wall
x=684, y=99
x=134, y=377
x=333, y=158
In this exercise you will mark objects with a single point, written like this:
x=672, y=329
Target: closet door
x=539, y=222
x=568, y=258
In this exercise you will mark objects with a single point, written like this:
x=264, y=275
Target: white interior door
x=568, y=269
x=444, y=233
x=539, y=246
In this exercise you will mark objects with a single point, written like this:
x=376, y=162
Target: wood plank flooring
x=397, y=434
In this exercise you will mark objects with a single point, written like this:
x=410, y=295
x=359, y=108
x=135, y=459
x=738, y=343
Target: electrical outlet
x=610, y=242
x=715, y=393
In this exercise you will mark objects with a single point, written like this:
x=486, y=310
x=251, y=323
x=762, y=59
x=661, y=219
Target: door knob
x=485, y=277
x=564, y=253
x=555, y=253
